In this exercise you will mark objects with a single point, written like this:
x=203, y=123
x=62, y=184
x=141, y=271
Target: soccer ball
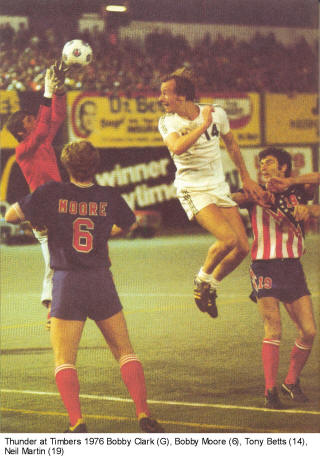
x=77, y=52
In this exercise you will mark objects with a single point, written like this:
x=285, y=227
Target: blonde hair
x=81, y=159
x=185, y=73
x=184, y=82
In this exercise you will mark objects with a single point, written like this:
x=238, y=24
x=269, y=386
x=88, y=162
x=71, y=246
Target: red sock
x=69, y=388
x=270, y=361
x=133, y=377
x=298, y=358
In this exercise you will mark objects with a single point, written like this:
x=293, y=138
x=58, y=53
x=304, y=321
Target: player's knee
x=223, y=246
x=243, y=248
x=309, y=334
x=272, y=329
x=120, y=349
x=230, y=241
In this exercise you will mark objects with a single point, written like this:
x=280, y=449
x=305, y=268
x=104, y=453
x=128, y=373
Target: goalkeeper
x=36, y=156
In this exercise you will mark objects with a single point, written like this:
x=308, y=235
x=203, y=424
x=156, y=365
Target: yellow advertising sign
x=9, y=103
x=292, y=119
x=118, y=121
x=114, y=121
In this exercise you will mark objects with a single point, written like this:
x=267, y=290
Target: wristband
x=47, y=93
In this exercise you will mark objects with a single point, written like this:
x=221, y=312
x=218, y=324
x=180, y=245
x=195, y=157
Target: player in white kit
x=192, y=134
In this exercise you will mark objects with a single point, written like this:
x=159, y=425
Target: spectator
x=122, y=66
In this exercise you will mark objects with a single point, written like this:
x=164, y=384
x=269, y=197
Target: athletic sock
x=204, y=277
x=214, y=283
x=298, y=358
x=133, y=376
x=69, y=388
x=270, y=361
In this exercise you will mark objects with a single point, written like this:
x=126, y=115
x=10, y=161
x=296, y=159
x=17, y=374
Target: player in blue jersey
x=80, y=217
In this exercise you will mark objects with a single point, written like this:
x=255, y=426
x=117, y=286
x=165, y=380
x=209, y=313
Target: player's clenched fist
x=207, y=115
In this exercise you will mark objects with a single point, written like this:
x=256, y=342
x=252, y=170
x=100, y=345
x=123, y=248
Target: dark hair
x=281, y=155
x=81, y=160
x=15, y=123
x=184, y=86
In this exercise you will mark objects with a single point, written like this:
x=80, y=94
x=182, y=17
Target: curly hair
x=281, y=155
x=81, y=160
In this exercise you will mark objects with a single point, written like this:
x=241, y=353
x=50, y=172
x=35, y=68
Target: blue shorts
x=283, y=279
x=79, y=294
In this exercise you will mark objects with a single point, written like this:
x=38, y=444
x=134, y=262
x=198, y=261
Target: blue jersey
x=79, y=221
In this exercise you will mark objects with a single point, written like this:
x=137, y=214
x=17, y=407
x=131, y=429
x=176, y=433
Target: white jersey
x=200, y=167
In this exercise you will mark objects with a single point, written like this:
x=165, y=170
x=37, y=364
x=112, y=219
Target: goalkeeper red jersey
x=35, y=154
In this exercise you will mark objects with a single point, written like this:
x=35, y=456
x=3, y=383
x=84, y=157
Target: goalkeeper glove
x=49, y=83
x=59, y=69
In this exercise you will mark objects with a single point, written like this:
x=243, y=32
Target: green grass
x=203, y=375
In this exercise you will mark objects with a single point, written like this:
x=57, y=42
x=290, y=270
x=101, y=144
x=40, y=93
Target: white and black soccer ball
x=77, y=52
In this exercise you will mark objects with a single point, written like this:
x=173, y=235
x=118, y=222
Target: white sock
x=214, y=283
x=204, y=277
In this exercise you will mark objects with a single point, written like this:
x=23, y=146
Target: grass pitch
x=203, y=375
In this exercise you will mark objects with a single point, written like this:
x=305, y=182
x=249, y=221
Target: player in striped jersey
x=192, y=134
x=80, y=217
x=277, y=274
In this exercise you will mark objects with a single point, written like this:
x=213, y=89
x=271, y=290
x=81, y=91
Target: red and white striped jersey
x=271, y=240
x=276, y=232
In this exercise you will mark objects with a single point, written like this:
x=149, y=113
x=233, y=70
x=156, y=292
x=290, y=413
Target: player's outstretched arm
x=249, y=185
x=241, y=198
x=303, y=211
x=59, y=103
x=59, y=72
x=41, y=130
x=49, y=83
x=278, y=184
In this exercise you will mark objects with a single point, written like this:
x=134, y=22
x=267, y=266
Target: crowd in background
x=125, y=66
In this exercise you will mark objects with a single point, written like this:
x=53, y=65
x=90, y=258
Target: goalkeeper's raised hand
x=49, y=83
x=59, y=69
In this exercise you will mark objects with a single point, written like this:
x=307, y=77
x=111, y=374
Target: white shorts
x=193, y=201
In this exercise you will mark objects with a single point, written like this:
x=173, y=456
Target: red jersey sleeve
x=30, y=145
x=58, y=114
